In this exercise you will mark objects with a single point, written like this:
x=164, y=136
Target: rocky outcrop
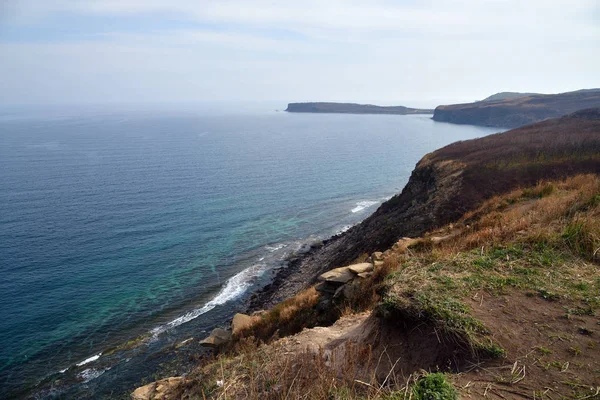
x=351, y=108
x=515, y=111
x=165, y=389
x=338, y=281
x=217, y=337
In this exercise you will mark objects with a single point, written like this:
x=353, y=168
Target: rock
x=377, y=256
x=326, y=288
x=241, y=322
x=339, y=292
x=337, y=276
x=186, y=341
x=365, y=275
x=145, y=392
x=378, y=264
x=323, y=305
x=351, y=290
x=360, y=268
x=259, y=313
x=218, y=337
x=403, y=244
x=165, y=389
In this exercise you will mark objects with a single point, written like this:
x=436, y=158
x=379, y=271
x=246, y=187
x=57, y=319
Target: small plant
x=544, y=350
x=434, y=387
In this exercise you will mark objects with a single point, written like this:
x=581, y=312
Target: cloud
x=311, y=50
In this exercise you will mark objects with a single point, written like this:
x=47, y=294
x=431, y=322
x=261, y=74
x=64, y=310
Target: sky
x=405, y=52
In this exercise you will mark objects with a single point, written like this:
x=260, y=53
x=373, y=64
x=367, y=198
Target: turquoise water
x=157, y=223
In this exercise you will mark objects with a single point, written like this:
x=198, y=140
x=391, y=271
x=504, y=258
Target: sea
x=128, y=233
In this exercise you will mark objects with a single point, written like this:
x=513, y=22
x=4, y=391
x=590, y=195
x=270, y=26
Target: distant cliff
x=511, y=110
x=352, y=108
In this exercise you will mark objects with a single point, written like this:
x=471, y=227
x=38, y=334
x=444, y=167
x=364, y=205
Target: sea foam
x=361, y=205
x=235, y=287
x=89, y=360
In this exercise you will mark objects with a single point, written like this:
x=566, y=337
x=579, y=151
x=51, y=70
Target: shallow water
x=152, y=226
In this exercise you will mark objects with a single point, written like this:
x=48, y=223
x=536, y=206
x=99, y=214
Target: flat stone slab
x=360, y=268
x=165, y=389
x=337, y=275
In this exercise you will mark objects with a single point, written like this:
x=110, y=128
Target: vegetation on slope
x=454, y=180
x=525, y=261
x=517, y=110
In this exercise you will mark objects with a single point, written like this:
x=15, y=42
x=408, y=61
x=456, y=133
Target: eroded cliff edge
x=449, y=182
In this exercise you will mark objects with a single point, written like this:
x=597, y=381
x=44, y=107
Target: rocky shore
x=446, y=187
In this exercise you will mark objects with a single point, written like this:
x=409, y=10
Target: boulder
x=217, y=338
x=326, y=288
x=241, y=322
x=360, y=268
x=165, y=389
x=377, y=256
x=378, y=264
x=365, y=275
x=337, y=276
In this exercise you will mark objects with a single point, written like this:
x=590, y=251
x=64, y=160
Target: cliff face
x=351, y=108
x=451, y=181
x=517, y=111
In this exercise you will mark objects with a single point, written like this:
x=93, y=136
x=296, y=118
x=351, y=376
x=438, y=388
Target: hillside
x=518, y=111
x=472, y=300
x=351, y=108
x=508, y=95
x=453, y=180
x=480, y=280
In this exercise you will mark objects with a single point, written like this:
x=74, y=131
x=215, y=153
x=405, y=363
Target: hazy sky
x=414, y=52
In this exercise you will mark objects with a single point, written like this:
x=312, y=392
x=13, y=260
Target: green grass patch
x=434, y=387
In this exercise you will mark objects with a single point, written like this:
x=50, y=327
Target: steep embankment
x=503, y=303
x=352, y=108
x=451, y=181
x=517, y=110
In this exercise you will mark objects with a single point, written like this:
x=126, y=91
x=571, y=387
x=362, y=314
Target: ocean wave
x=91, y=373
x=235, y=287
x=361, y=205
x=276, y=247
x=342, y=229
x=89, y=360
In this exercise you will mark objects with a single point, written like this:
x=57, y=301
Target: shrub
x=434, y=387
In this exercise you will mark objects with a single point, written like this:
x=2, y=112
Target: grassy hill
x=515, y=111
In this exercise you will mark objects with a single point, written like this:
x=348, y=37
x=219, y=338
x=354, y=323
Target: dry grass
x=541, y=240
x=289, y=317
x=564, y=213
x=269, y=372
